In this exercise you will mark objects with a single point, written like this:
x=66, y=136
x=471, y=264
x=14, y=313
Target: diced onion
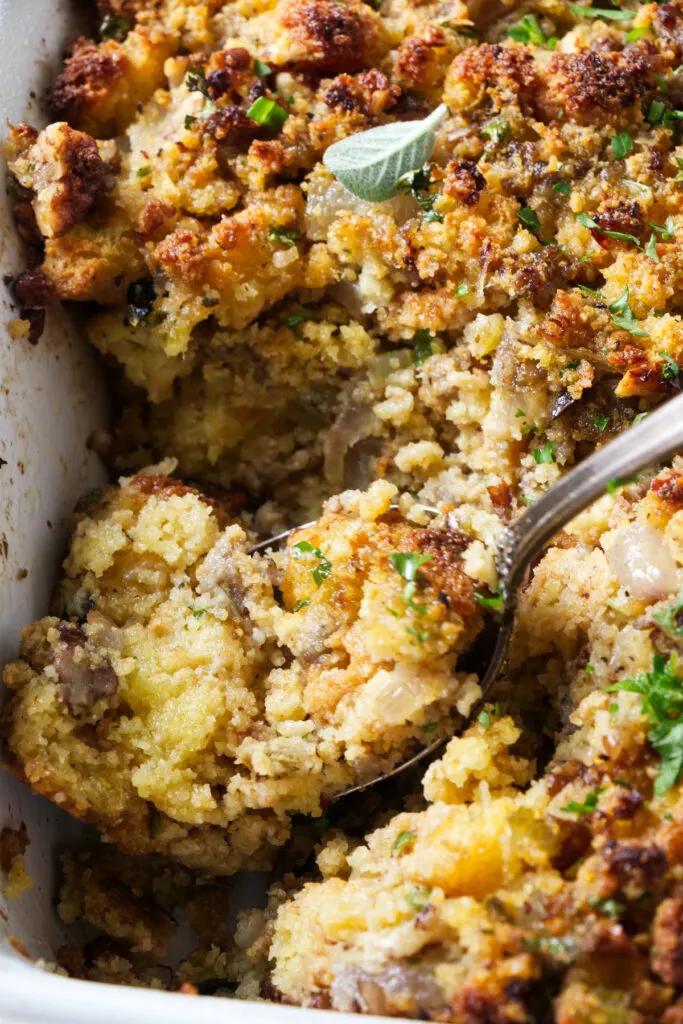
x=642, y=562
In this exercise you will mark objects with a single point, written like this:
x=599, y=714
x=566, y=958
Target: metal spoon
x=651, y=441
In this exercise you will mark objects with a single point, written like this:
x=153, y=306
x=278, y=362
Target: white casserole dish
x=51, y=399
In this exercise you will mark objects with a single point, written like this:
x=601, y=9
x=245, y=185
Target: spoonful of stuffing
x=433, y=612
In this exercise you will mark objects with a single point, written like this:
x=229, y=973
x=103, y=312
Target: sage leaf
x=372, y=163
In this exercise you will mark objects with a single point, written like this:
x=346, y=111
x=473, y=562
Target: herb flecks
x=403, y=839
x=408, y=565
x=662, y=693
x=323, y=569
x=623, y=317
x=268, y=113
x=420, y=186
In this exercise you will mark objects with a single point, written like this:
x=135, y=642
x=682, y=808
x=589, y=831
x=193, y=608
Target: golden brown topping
x=88, y=75
x=464, y=182
x=368, y=93
x=68, y=178
x=154, y=216
x=668, y=487
x=333, y=37
x=597, y=87
x=667, y=940
x=418, y=64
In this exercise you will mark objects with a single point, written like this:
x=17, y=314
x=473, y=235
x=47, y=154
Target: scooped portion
x=189, y=697
x=520, y=894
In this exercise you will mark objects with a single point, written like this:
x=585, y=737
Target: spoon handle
x=653, y=440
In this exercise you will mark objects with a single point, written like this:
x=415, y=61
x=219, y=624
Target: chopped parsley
x=462, y=289
x=670, y=618
x=143, y=171
x=545, y=454
x=529, y=218
x=402, y=840
x=622, y=145
x=408, y=565
x=671, y=368
x=293, y=320
x=563, y=187
x=666, y=230
x=324, y=567
x=651, y=248
x=268, y=113
x=587, y=221
x=529, y=31
x=420, y=634
x=662, y=692
x=422, y=340
x=617, y=482
x=114, y=26
x=419, y=184
x=496, y=130
x=284, y=236
x=299, y=605
x=261, y=69
x=418, y=898
x=190, y=120
x=639, y=418
x=610, y=13
x=601, y=422
x=484, y=719
x=611, y=906
x=623, y=317
x=637, y=33
x=495, y=603
x=587, y=807
x=195, y=81
x=655, y=112
x=197, y=612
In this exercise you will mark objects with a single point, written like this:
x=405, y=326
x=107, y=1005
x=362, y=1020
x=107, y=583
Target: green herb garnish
x=402, y=840
x=268, y=113
x=544, y=454
x=372, y=164
x=418, y=898
x=419, y=184
x=671, y=368
x=662, y=693
x=422, y=340
x=622, y=145
x=324, y=567
x=529, y=31
x=587, y=807
x=283, y=236
x=623, y=317
x=610, y=13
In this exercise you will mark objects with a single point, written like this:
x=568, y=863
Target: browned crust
x=596, y=87
x=88, y=75
x=335, y=37
x=666, y=957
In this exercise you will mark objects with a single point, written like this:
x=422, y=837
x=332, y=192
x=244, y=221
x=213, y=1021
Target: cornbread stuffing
x=183, y=709
x=405, y=377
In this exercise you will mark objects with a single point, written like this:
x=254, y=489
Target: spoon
x=649, y=442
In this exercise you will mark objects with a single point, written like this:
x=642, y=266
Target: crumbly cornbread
x=269, y=316
x=464, y=342
x=511, y=900
x=178, y=706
